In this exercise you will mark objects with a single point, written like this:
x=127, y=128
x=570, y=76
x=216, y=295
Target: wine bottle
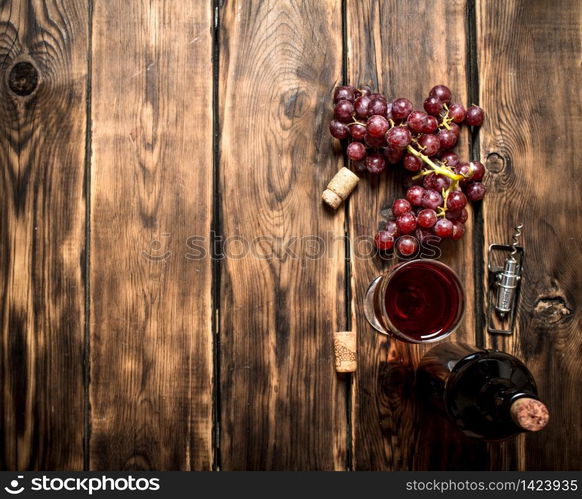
x=489, y=394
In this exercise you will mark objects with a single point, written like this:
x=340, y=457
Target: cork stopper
x=340, y=187
x=345, y=351
x=529, y=414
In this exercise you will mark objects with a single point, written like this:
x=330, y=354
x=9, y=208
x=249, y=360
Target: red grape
x=458, y=215
x=433, y=105
x=344, y=93
x=338, y=129
x=392, y=228
x=457, y=112
x=407, y=245
x=416, y=121
x=377, y=126
x=443, y=228
x=384, y=241
x=400, y=207
x=361, y=106
x=414, y=195
x=465, y=170
x=474, y=116
x=441, y=92
x=401, y=108
x=343, y=111
x=431, y=199
x=475, y=191
x=377, y=106
x=399, y=137
x=456, y=200
x=375, y=163
x=436, y=182
x=431, y=125
x=357, y=131
x=447, y=138
x=406, y=223
x=426, y=218
x=478, y=170
x=430, y=144
x=458, y=230
x=412, y=163
x=449, y=157
x=356, y=151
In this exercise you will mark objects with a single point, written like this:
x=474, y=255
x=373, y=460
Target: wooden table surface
x=170, y=280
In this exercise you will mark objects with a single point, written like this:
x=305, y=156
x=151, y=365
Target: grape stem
x=441, y=170
x=446, y=119
x=442, y=210
x=438, y=169
x=355, y=122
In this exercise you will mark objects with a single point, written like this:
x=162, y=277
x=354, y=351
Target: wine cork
x=340, y=187
x=345, y=351
x=529, y=414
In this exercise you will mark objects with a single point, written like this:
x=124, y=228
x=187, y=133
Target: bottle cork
x=345, y=351
x=529, y=414
x=340, y=187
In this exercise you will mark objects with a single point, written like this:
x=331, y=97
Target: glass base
x=369, y=309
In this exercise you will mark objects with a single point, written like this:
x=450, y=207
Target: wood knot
x=552, y=310
x=23, y=78
x=495, y=162
x=295, y=103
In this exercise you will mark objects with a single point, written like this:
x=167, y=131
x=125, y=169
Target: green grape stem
x=442, y=210
x=441, y=170
x=438, y=169
x=446, y=119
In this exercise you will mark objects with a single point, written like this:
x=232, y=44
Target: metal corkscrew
x=504, y=284
x=508, y=279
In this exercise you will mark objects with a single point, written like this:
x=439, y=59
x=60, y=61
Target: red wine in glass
x=419, y=301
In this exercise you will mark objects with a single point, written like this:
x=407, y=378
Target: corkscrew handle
x=507, y=282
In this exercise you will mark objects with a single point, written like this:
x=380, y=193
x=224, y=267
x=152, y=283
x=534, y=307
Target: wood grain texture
x=531, y=136
x=151, y=190
x=403, y=49
x=43, y=70
x=283, y=406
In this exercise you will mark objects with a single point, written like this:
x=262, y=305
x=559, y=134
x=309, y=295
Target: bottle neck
x=523, y=408
x=499, y=395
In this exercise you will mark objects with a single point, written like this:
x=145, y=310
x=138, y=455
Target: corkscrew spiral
x=515, y=238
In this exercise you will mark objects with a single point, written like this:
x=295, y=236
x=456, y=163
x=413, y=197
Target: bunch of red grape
x=383, y=132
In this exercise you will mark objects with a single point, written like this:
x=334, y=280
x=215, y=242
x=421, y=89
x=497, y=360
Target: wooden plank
x=282, y=406
x=151, y=190
x=43, y=68
x=530, y=139
x=385, y=51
